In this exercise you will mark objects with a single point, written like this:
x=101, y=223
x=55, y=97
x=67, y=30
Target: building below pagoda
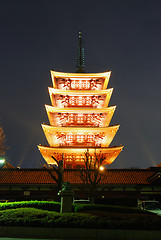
x=118, y=186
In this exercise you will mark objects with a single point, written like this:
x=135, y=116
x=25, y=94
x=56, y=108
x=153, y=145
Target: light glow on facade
x=79, y=119
x=101, y=168
x=76, y=136
x=96, y=81
x=80, y=98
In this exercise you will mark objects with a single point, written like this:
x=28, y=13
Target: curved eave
x=109, y=153
x=55, y=110
x=107, y=92
x=84, y=129
x=52, y=133
x=80, y=92
x=107, y=78
x=105, y=75
x=51, y=109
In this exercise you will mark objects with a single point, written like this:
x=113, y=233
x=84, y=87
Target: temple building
x=79, y=117
x=79, y=120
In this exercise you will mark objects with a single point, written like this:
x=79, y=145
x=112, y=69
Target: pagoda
x=79, y=117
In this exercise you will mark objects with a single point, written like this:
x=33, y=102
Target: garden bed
x=91, y=217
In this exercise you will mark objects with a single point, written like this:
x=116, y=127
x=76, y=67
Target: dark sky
x=122, y=36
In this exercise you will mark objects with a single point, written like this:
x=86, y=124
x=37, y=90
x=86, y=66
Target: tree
x=91, y=175
x=58, y=169
x=3, y=147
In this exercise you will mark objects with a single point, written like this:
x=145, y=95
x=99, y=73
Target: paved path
x=30, y=233
x=28, y=239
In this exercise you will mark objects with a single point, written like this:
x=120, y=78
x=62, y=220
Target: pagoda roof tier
x=102, y=97
x=76, y=136
x=99, y=116
x=77, y=154
x=81, y=76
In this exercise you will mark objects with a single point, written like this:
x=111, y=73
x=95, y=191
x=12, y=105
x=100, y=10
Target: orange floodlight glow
x=79, y=119
x=101, y=168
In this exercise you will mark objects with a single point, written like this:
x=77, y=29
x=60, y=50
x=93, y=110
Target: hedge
x=44, y=205
x=109, y=208
x=43, y=218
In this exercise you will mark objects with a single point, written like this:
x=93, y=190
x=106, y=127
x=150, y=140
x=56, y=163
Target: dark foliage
x=42, y=218
x=44, y=205
x=108, y=208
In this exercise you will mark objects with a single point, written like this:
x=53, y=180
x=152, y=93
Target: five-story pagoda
x=79, y=117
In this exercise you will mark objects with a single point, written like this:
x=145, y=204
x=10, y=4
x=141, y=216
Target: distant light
x=101, y=168
x=2, y=161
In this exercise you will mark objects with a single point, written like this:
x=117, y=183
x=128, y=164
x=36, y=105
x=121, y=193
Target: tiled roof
x=42, y=176
x=116, y=176
x=25, y=176
x=128, y=176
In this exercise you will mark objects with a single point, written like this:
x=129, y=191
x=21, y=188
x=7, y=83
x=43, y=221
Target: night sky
x=122, y=36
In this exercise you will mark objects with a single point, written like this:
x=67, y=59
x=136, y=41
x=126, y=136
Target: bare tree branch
x=91, y=175
x=3, y=147
x=58, y=178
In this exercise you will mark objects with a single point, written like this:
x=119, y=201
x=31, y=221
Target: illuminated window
x=72, y=100
x=88, y=101
x=84, y=101
x=90, y=138
x=80, y=138
x=80, y=118
x=70, y=137
x=71, y=118
x=68, y=158
x=73, y=84
x=85, y=84
x=80, y=159
x=80, y=84
x=80, y=101
x=89, y=118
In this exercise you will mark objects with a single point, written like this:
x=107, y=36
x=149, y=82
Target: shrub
x=44, y=205
x=43, y=218
x=38, y=218
x=108, y=208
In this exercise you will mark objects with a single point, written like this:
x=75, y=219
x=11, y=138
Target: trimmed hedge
x=55, y=206
x=42, y=218
x=109, y=208
x=44, y=205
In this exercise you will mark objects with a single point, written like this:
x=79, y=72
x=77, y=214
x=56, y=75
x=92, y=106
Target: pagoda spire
x=80, y=54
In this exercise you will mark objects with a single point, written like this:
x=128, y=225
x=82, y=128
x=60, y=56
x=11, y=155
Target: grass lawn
x=85, y=216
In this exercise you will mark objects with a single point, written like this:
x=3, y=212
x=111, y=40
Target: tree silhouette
x=3, y=147
x=91, y=175
x=58, y=170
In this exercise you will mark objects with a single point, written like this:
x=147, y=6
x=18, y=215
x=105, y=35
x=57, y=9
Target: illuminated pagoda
x=79, y=117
